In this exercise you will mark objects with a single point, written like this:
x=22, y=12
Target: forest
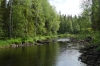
x=31, y=18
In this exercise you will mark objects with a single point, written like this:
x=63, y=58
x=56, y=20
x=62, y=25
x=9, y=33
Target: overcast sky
x=68, y=7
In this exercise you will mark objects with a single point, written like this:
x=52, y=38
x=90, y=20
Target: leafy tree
x=1, y=24
x=4, y=18
x=27, y=18
x=75, y=24
x=94, y=9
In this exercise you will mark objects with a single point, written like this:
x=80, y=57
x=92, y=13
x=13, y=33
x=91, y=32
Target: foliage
x=92, y=10
x=28, y=18
x=74, y=25
x=96, y=36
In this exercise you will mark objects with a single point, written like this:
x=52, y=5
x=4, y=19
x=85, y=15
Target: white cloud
x=68, y=7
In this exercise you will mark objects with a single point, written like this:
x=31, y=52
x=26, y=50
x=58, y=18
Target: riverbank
x=22, y=41
x=38, y=40
x=91, y=52
x=90, y=55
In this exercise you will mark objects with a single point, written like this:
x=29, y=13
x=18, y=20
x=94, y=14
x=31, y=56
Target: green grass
x=3, y=42
x=8, y=42
x=34, y=39
x=66, y=35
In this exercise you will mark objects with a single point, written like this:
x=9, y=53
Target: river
x=54, y=54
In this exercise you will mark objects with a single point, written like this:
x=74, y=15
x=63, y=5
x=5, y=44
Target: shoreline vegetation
x=7, y=43
x=39, y=40
x=91, y=53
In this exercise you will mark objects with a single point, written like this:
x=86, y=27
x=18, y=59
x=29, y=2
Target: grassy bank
x=8, y=42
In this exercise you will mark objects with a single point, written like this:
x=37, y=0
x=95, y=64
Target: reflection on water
x=69, y=58
x=55, y=54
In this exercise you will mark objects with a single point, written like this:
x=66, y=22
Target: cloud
x=68, y=7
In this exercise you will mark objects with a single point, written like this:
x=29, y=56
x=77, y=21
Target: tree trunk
x=10, y=19
x=99, y=15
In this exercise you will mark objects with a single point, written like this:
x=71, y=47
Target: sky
x=68, y=7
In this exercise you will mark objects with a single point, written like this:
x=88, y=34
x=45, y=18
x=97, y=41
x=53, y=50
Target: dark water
x=55, y=54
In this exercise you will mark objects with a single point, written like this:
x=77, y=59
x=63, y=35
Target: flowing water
x=55, y=54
